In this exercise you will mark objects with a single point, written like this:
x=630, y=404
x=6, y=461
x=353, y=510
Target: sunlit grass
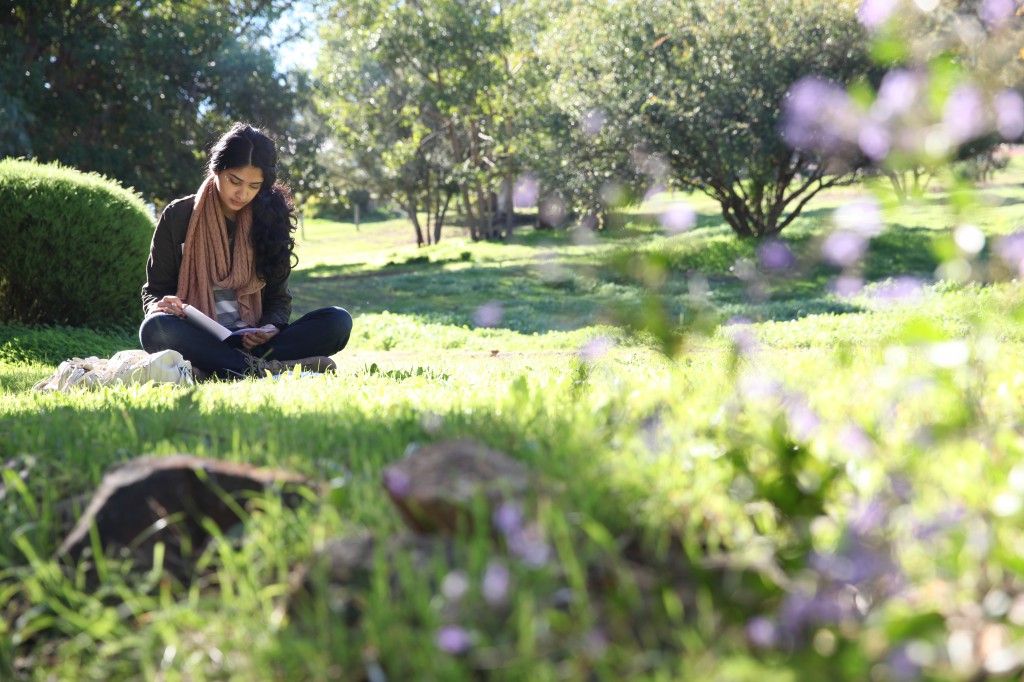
x=726, y=449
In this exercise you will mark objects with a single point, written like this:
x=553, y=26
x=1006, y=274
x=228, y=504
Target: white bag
x=126, y=367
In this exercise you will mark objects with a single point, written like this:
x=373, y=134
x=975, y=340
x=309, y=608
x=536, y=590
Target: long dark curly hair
x=273, y=210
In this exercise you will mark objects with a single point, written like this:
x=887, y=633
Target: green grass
x=849, y=453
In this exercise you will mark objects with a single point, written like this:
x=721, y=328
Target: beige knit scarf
x=208, y=259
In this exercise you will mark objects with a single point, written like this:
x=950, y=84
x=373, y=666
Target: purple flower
x=397, y=482
x=818, y=115
x=874, y=13
x=1009, y=107
x=743, y=339
x=855, y=441
x=874, y=140
x=803, y=422
x=508, y=518
x=775, y=255
x=596, y=348
x=495, y=583
x=529, y=546
x=452, y=639
x=964, y=114
x=995, y=13
x=900, y=289
x=760, y=387
x=901, y=666
x=761, y=632
x=455, y=585
x=847, y=285
x=898, y=93
x=525, y=192
x=489, y=314
x=844, y=248
x=592, y=123
x=1011, y=251
x=868, y=516
x=799, y=610
x=678, y=217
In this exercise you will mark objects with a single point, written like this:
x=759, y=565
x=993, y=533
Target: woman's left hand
x=259, y=337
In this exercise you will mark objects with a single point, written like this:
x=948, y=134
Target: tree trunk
x=411, y=208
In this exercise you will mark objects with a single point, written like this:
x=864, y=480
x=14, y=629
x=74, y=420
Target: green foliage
x=137, y=91
x=51, y=345
x=691, y=94
x=75, y=246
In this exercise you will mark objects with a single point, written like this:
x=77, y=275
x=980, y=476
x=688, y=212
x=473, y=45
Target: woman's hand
x=172, y=305
x=259, y=337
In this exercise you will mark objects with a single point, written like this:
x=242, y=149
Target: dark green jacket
x=165, y=254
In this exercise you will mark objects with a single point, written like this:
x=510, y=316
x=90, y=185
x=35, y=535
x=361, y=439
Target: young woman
x=228, y=251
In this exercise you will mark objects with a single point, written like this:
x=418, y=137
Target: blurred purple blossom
x=775, y=255
x=1011, y=251
x=803, y=421
x=847, y=285
x=489, y=314
x=596, y=348
x=868, y=516
x=964, y=114
x=874, y=13
x=508, y=518
x=454, y=640
x=874, y=140
x=1009, y=109
x=863, y=216
x=898, y=93
x=528, y=545
x=900, y=665
x=592, y=123
x=995, y=13
x=455, y=585
x=495, y=583
x=946, y=519
x=743, y=339
x=901, y=289
x=678, y=217
x=855, y=441
x=844, y=248
x=525, y=192
x=761, y=632
x=758, y=386
x=397, y=482
x=801, y=610
x=819, y=115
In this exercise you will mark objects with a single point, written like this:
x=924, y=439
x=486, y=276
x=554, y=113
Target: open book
x=204, y=321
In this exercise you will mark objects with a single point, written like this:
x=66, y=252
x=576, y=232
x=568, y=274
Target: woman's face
x=237, y=187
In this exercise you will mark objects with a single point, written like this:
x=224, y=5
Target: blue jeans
x=321, y=332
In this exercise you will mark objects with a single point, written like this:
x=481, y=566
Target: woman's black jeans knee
x=322, y=332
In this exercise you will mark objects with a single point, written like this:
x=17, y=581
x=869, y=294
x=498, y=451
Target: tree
x=697, y=89
x=428, y=99
x=135, y=89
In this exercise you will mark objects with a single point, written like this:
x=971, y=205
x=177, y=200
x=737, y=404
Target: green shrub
x=74, y=247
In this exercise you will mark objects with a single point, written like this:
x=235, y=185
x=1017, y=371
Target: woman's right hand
x=172, y=305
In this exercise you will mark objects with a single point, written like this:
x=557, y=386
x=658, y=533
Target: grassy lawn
x=811, y=486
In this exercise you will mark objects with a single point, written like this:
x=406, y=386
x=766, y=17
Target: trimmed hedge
x=74, y=247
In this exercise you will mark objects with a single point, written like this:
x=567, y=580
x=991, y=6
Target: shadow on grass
x=567, y=291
